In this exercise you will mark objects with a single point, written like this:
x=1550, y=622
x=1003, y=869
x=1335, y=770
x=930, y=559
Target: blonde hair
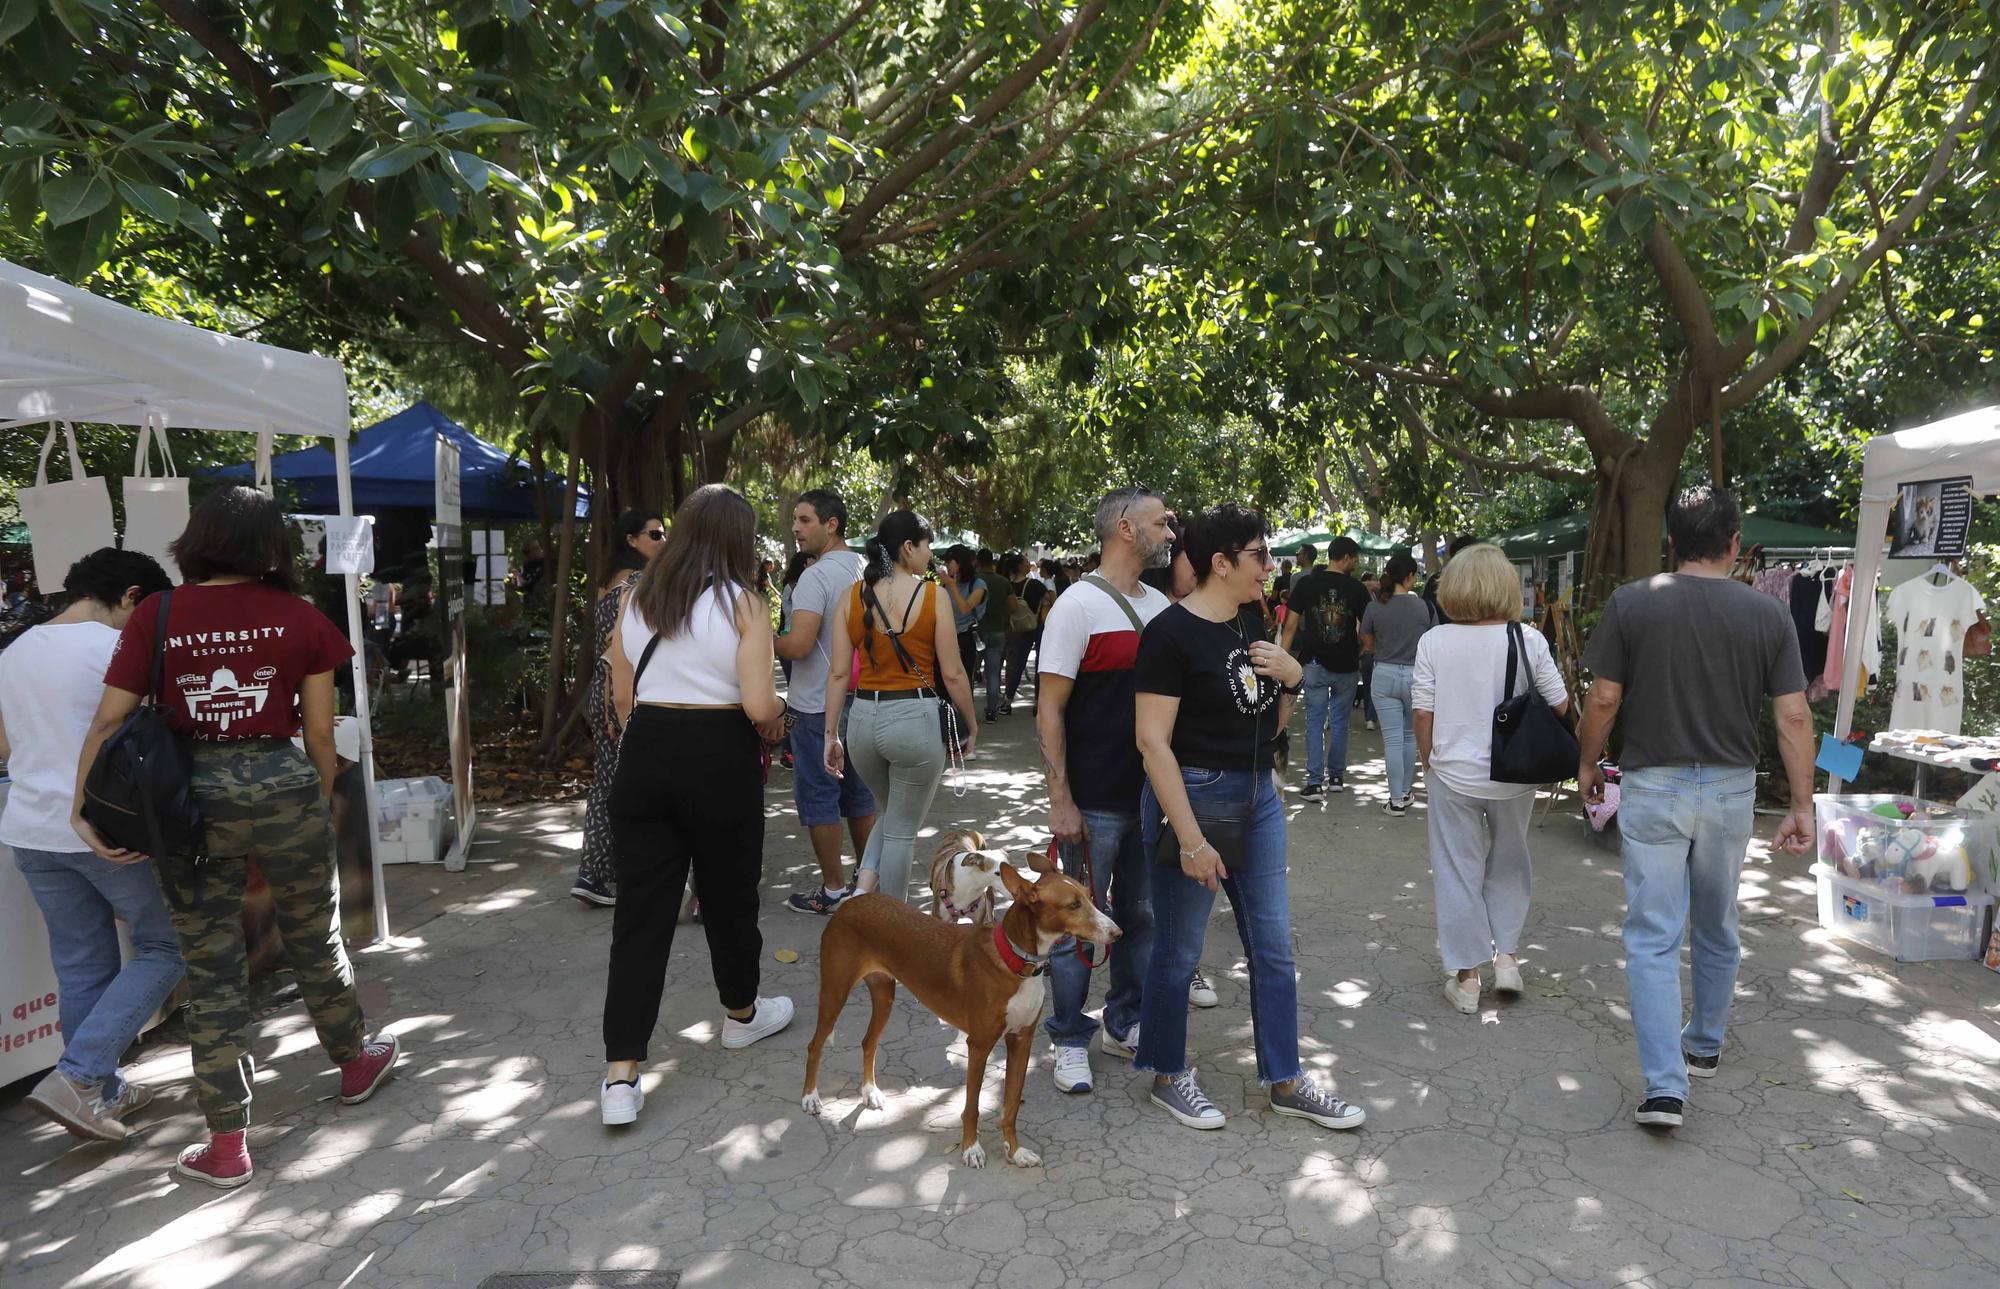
x=1480, y=584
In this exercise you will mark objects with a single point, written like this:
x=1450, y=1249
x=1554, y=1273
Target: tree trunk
x=559, y=607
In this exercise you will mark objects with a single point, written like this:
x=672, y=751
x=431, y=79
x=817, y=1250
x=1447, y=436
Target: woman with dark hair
x=248, y=665
x=1390, y=630
x=909, y=658
x=1213, y=695
x=643, y=534
x=51, y=677
x=960, y=580
x=691, y=674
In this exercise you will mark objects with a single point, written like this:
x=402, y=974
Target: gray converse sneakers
x=1181, y=1097
x=1308, y=1100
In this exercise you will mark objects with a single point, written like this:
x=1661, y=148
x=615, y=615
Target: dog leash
x=1090, y=884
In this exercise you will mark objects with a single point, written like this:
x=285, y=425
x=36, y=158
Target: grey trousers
x=1480, y=872
x=895, y=746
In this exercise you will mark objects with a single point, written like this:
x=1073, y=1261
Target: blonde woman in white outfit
x=1478, y=828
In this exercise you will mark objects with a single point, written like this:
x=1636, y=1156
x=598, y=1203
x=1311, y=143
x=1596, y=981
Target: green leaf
x=376, y=164
x=473, y=171
x=480, y=123
x=21, y=193
x=80, y=247
x=673, y=26
x=807, y=384
x=1635, y=215
x=193, y=216
x=627, y=161
x=289, y=126
x=76, y=195
x=694, y=146
x=1413, y=345
x=331, y=123
x=15, y=15
x=650, y=332
x=151, y=200
x=716, y=197
x=29, y=112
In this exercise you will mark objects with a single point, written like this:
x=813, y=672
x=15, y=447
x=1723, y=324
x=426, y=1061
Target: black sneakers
x=1701, y=1067
x=1661, y=1112
x=1311, y=790
x=1336, y=783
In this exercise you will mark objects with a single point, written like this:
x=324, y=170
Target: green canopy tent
x=1565, y=534
x=1288, y=541
x=941, y=543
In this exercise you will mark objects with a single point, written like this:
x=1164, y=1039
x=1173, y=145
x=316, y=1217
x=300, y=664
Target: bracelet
x=1186, y=855
x=1294, y=689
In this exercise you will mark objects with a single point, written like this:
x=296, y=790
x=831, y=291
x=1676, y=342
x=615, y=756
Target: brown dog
x=965, y=877
x=984, y=980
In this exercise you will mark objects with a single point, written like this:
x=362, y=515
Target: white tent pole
x=344, y=484
x=1871, y=529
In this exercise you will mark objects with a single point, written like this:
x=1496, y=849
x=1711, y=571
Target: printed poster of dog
x=1931, y=519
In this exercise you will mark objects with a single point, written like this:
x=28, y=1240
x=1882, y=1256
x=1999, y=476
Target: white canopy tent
x=67, y=355
x=1966, y=446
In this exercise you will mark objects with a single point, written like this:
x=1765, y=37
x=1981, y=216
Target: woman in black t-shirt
x=1213, y=694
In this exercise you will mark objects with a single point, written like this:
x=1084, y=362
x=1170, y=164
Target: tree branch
x=233, y=56
x=1421, y=433
x=805, y=56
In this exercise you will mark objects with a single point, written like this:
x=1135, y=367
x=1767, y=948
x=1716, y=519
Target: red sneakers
x=360, y=1077
x=224, y=1161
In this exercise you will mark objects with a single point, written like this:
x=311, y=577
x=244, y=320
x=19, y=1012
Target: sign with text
x=1931, y=519
x=451, y=587
x=350, y=543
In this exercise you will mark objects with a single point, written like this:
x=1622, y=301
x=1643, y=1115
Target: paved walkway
x=1852, y=1138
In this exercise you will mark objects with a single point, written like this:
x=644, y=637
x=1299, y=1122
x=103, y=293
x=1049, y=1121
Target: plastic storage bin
x=1909, y=928
x=411, y=820
x=1903, y=844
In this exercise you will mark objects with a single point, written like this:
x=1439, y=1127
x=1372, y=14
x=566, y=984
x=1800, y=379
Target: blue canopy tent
x=394, y=465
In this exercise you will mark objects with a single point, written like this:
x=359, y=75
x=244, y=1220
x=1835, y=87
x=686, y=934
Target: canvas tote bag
x=156, y=506
x=66, y=521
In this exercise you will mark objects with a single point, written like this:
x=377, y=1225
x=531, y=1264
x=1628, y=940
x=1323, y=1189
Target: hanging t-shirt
x=236, y=656
x=1931, y=622
x=1228, y=713
x=1089, y=639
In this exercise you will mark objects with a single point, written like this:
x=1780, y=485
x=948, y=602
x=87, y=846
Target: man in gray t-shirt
x=1690, y=657
x=819, y=525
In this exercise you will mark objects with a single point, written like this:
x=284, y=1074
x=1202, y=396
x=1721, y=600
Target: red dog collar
x=1013, y=959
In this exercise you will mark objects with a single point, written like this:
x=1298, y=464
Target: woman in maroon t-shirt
x=248, y=665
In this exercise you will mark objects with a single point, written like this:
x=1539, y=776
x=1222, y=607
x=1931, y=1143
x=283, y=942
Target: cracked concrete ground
x=1851, y=1139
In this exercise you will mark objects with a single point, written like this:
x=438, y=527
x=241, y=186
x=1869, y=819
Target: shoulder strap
x=158, y=686
x=645, y=656
x=1514, y=642
x=1117, y=598
x=908, y=663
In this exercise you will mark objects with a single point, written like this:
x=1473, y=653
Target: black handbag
x=1531, y=742
x=139, y=793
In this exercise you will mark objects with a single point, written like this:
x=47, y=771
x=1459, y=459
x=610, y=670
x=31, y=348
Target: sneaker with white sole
x=1701, y=1067
x=78, y=1107
x=1395, y=807
x=772, y=1015
x=1180, y=1096
x=620, y=1103
x=1072, y=1069
x=1308, y=1100
x=131, y=1099
x=1507, y=978
x=1661, y=1112
x=1200, y=992
x=1111, y=1045
x=1463, y=995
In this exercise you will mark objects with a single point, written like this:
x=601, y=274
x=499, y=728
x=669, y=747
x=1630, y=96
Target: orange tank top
x=880, y=667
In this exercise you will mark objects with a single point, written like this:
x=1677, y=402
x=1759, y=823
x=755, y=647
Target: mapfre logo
x=220, y=699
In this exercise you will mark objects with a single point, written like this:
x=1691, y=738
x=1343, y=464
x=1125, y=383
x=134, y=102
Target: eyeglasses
x=1263, y=553
x=657, y=534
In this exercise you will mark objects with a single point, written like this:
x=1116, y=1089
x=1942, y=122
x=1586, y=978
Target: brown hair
x=712, y=541
x=236, y=531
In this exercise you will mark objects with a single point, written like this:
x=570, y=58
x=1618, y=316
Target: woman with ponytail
x=909, y=658
x=1390, y=630
x=644, y=533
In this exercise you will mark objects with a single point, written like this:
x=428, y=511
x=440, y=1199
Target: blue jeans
x=103, y=1004
x=1329, y=699
x=1118, y=862
x=995, y=663
x=1242, y=817
x=1391, y=690
x=1684, y=830
x=821, y=798
x=1368, y=687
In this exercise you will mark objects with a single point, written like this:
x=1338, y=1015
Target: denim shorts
x=821, y=798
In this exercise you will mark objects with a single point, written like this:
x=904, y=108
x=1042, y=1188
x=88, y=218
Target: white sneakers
x=1127, y=1047
x=1506, y=976
x=1072, y=1069
x=1200, y=992
x=1463, y=995
x=772, y=1015
x=620, y=1103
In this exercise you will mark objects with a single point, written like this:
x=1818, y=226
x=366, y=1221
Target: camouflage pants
x=261, y=797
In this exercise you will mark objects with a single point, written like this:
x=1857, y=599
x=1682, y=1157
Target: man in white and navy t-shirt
x=1091, y=757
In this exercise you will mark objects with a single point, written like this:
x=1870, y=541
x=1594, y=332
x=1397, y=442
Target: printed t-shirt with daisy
x=1228, y=714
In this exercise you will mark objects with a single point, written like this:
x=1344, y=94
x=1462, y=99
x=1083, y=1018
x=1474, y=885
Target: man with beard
x=1090, y=755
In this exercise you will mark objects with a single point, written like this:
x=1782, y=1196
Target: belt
x=887, y=695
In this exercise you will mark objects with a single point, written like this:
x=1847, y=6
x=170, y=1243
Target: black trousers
x=689, y=794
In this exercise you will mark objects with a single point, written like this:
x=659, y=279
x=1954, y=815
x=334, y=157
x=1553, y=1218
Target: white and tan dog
x=965, y=877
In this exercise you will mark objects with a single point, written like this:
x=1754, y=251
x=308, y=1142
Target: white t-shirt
x=1460, y=678
x=50, y=682
x=1931, y=622
x=819, y=590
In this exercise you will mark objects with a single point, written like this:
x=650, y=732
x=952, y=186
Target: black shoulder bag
x=1531, y=743
x=139, y=793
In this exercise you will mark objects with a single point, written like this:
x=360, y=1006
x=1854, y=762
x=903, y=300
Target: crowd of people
x=1168, y=663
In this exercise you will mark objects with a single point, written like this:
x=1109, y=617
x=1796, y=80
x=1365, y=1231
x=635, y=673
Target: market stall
x=1907, y=875
x=67, y=356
